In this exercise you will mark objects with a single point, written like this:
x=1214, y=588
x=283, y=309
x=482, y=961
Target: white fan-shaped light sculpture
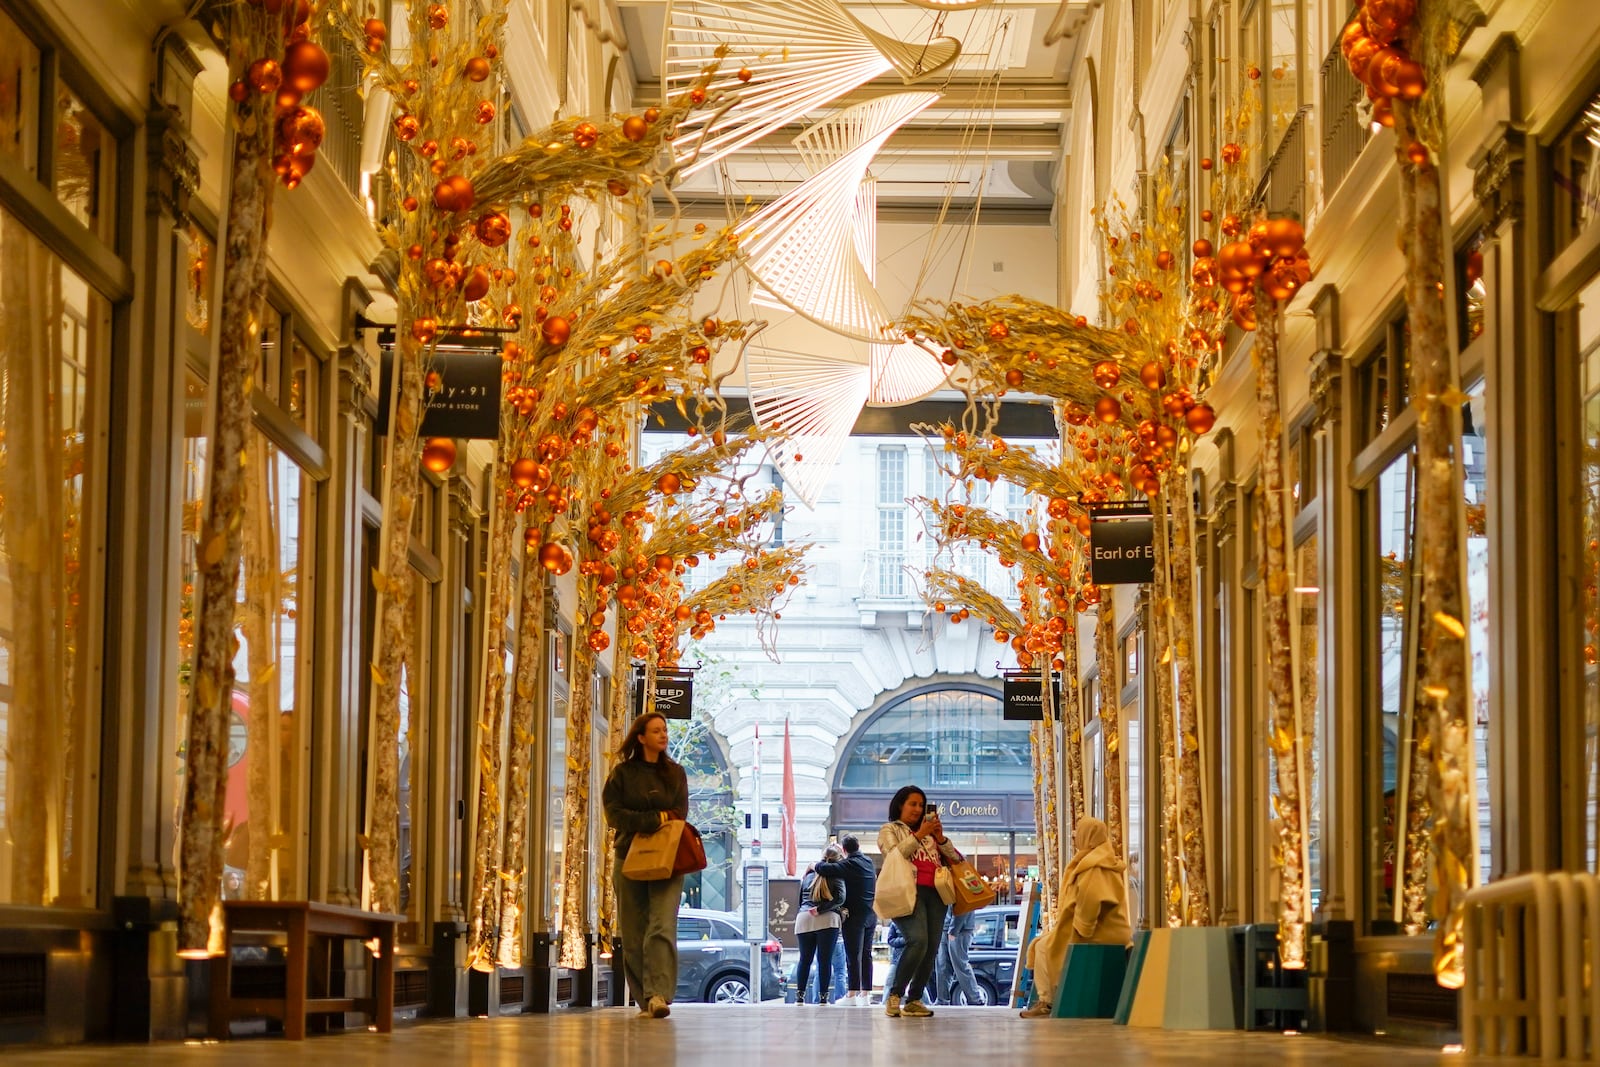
x=901, y=371
x=802, y=249
x=950, y=5
x=785, y=59
x=815, y=400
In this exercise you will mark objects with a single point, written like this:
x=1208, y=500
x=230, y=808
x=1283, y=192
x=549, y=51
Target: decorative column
x=335, y=860
x=142, y=583
x=1525, y=389
x=1226, y=675
x=1339, y=618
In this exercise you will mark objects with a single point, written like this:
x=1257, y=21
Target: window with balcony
x=892, y=521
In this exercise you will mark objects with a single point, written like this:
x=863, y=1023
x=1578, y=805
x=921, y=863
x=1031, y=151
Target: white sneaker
x=891, y=1006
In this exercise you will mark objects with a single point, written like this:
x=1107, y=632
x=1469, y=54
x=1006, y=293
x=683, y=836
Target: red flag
x=791, y=849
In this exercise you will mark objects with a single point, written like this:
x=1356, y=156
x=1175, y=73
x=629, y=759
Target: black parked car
x=714, y=959
x=995, y=939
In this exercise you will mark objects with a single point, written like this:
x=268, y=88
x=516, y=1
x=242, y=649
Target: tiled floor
x=770, y=1036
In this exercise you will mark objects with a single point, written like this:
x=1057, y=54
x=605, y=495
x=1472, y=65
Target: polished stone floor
x=770, y=1036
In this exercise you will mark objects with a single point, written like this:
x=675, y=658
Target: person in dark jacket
x=822, y=902
x=896, y=940
x=860, y=884
x=644, y=790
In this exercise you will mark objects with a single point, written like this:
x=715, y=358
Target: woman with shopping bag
x=915, y=851
x=645, y=792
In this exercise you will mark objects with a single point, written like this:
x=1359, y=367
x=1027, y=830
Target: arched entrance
x=953, y=741
x=711, y=811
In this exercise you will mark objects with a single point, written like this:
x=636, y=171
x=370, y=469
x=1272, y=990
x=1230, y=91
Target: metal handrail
x=1282, y=189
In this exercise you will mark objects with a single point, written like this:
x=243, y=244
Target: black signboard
x=1024, y=697
x=1121, y=545
x=466, y=403
x=674, y=694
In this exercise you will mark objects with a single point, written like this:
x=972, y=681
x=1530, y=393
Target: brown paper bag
x=652, y=857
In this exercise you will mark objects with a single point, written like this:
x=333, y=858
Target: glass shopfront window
x=85, y=166
x=946, y=738
x=19, y=95
x=1588, y=333
x=556, y=775
x=55, y=340
x=1388, y=568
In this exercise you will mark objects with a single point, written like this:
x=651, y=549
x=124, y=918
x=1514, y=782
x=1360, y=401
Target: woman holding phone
x=914, y=831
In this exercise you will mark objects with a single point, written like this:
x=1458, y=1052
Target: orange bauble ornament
x=264, y=76
x=1030, y=541
x=1200, y=418
x=1108, y=409
x=439, y=454
x=301, y=130
x=493, y=229
x=1014, y=378
x=635, y=128
x=1153, y=375
x=1244, y=311
x=555, y=330
x=599, y=640
x=1164, y=260
x=1106, y=373
x=1058, y=507
x=476, y=69
x=305, y=66
x=1202, y=248
x=477, y=286
x=669, y=483
x=555, y=558
x=453, y=194
x=406, y=127
x=424, y=330
x=438, y=16
x=1284, y=237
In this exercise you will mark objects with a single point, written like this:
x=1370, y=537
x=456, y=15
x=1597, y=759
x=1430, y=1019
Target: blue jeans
x=955, y=969
x=923, y=929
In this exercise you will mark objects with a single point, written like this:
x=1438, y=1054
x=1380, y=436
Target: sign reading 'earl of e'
x=1121, y=544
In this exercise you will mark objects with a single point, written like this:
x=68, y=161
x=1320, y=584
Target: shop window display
x=556, y=775
x=55, y=335
x=1588, y=332
x=1389, y=576
x=85, y=165
x=948, y=738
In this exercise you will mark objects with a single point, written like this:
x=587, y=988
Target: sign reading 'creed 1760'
x=674, y=695
x=1121, y=545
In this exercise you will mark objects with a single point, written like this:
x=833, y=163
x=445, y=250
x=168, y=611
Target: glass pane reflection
x=950, y=737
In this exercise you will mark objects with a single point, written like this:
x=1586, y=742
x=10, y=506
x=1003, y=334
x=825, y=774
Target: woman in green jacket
x=644, y=790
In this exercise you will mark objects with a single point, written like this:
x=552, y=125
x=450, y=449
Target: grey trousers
x=647, y=912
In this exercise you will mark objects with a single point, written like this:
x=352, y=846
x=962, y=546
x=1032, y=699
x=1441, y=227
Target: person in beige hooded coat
x=1093, y=910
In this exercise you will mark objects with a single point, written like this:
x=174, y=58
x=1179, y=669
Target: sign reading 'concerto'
x=1121, y=544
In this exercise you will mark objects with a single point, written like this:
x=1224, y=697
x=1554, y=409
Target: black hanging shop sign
x=1121, y=544
x=1024, y=696
x=466, y=403
x=674, y=693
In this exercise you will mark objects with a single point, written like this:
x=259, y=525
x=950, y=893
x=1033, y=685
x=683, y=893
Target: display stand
x=1022, y=976
x=1130, y=979
x=1091, y=982
x=1187, y=981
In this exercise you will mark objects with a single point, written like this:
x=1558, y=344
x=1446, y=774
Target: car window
x=693, y=929
x=1013, y=933
x=724, y=931
x=984, y=933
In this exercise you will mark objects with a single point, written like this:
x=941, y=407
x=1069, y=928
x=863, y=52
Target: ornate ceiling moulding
x=784, y=60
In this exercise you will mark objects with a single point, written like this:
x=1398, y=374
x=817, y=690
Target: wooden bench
x=301, y=921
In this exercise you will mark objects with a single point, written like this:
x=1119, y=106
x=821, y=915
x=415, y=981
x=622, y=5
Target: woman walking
x=1093, y=910
x=644, y=791
x=918, y=836
x=822, y=901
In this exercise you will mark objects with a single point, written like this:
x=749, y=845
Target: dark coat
x=835, y=886
x=637, y=792
x=861, y=882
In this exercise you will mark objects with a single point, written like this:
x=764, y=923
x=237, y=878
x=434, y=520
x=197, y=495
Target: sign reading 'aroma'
x=1024, y=698
x=1121, y=544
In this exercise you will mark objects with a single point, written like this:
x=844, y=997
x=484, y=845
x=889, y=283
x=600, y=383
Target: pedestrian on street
x=817, y=925
x=860, y=882
x=644, y=790
x=916, y=834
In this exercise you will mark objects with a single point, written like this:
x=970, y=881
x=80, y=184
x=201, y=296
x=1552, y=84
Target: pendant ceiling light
x=802, y=249
x=784, y=60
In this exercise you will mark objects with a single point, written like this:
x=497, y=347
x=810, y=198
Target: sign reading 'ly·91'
x=1122, y=546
